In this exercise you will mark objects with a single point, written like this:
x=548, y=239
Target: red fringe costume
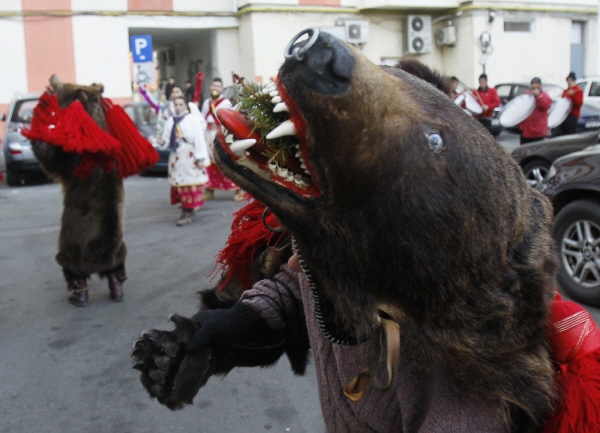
x=575, y=345
x=248, y=234
x=74, y=130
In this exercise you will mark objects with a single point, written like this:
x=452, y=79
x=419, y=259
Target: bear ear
x=55, y=83
x=99, y=87
x=425, y=73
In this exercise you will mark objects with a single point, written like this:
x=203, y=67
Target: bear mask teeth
x=239, y=135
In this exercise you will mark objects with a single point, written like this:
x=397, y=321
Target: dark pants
x=569, y=126
x=485, y=122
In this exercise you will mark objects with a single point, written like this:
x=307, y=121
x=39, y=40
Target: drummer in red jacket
x=575, y=94
x=488, y=99
x=535, y=127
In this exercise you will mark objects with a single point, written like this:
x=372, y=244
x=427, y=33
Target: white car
x=591, y=98
x=591, y=90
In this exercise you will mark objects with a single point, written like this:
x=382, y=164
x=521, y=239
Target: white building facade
x=87, y=41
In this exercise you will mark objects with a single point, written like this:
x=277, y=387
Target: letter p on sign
x=141, y=48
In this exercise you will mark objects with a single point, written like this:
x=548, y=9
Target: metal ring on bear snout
x=298, y=52
x=263, y=217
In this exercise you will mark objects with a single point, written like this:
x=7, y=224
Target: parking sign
x=141, y=48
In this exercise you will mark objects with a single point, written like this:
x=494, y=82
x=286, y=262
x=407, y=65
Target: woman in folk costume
x=184, y=135
x=209, y=109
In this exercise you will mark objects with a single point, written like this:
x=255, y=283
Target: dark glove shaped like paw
x=169, y=372
x=174, y=365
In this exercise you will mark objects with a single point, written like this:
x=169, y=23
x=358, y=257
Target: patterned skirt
x=190, y=197
x=217, y=180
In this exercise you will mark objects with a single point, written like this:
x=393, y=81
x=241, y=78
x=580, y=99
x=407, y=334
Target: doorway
x=577, y=48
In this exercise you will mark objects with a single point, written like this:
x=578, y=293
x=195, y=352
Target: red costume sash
x=212, y=110
x=575, y=348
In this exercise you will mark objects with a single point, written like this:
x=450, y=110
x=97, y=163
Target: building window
x=517, y=26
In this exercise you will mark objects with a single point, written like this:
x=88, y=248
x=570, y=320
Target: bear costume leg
x=115, y=278
x=78, y=286
x=115, y=283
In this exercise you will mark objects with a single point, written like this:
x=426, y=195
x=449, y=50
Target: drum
x=460, y=99
x=469, y=103
x=517, y=110
x=472, y=104
x=559, y=112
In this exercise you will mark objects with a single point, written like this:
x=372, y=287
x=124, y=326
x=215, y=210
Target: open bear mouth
x=266, y=132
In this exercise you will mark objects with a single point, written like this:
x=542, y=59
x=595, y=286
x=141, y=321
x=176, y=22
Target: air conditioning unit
x=357, y=32
x=417, y=34
x=446, y=35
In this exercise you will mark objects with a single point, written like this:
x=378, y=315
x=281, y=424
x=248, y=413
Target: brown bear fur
x=453, y=241
x=91, y=234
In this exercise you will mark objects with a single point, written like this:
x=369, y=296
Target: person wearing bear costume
x=88, y=145
x=423, y=267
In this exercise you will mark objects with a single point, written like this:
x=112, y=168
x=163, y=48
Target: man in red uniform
x=535, y=127
x=575, y=94
x=489, y=99
x=217, y=180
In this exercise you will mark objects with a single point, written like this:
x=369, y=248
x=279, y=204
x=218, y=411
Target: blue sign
x=141, y=47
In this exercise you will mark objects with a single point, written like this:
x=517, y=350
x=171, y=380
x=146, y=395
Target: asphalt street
x=67, y=369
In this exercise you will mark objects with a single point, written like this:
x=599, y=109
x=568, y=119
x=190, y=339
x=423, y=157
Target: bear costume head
x=90, y=96
x=406, y=203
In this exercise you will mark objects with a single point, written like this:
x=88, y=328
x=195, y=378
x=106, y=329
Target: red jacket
x=536, y=125
x=576, y=100
x=488, y=97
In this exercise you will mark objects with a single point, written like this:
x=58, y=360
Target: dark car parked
x=536, y=158
x=573, y=185
x=589, y=119
x=17, y=149
x=146, y=120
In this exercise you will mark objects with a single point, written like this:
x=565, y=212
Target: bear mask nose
x=298, y=50
x=321, y=61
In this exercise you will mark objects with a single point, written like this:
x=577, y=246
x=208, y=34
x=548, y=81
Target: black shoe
x=115, y=286
x=79, y=298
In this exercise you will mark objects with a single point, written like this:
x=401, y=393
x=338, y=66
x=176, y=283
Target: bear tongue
x=237, y=124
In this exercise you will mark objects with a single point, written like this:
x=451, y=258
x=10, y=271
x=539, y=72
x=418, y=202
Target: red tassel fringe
x=248, y=235
x=575, y=342
x=74, y=130
x=135, y=153
x=580, y=393
x=71, y=128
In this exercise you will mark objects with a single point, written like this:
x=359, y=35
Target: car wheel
x=535, y=171
x=13, y=178
x=577, y=235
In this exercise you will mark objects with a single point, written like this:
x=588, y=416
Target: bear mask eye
x=436, y=142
